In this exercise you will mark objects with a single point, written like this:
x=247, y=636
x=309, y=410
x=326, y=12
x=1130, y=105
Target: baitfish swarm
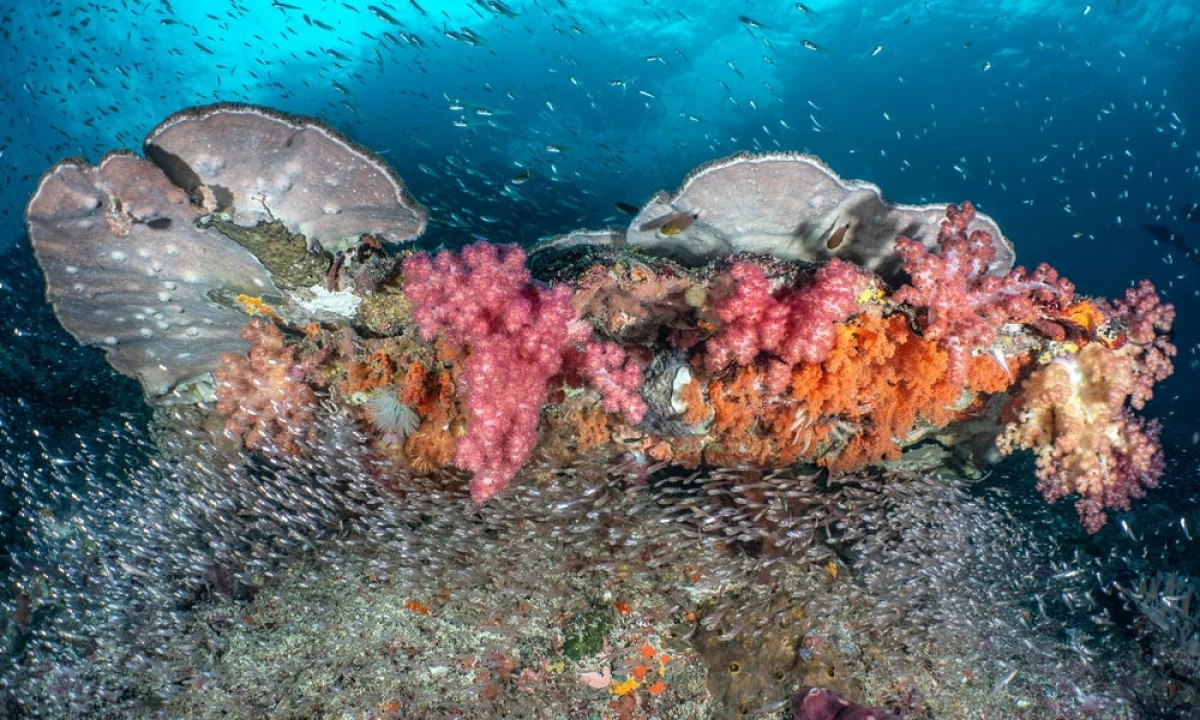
x=767, y=314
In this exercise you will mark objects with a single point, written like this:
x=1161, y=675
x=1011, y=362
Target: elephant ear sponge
x=256, y=165
x=128, y=270
x=794, y=207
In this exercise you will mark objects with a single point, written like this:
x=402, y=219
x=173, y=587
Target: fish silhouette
x=1162, y=233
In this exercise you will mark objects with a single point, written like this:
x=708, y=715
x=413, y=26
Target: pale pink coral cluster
x=964, y=304
x=264, y=394
x=1074, y=415
x=1147, y=324
x=797, y=326
x=519, y=334
x=1086, y=441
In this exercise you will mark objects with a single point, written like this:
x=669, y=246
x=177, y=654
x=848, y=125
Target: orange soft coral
x=878, y=385
x=750, y=423
x=431, y=445
x=992, y=374
x=413, y=389
x=878, y=381
x=740, y=403
x=375, y=371
x=698, y=411
x=592, y=427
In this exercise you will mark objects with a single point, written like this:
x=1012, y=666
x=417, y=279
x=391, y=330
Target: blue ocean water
x=1074, y=125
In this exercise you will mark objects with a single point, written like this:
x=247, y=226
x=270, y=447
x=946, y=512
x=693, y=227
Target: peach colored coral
x=263, y=394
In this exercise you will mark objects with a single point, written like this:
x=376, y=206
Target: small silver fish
x=806, y=10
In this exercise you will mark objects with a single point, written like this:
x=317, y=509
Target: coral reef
x=751, y=356
x=750, y=360
x=636, y=472
x=779, y=363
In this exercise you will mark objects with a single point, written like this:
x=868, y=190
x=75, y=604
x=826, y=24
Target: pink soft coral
x=609, y=369
x=964, y=304
x=796, y=326
x=485, y=299
x=518, y=333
